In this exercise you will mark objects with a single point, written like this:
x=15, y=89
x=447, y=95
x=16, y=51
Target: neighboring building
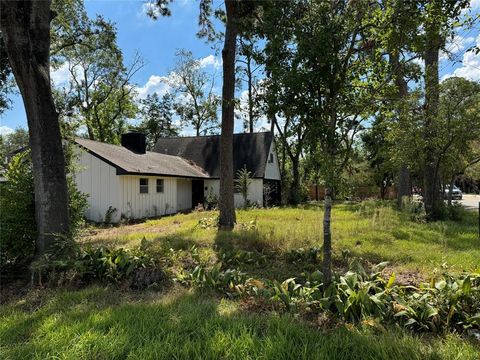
x=177, y=176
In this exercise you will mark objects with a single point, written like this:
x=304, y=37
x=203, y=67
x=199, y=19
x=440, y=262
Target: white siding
x=255, y=191
x=184, y=194
x=137, y=206
x=272, y=170
x=100, y=182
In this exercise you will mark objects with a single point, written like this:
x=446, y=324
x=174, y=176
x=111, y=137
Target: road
x=470, y=201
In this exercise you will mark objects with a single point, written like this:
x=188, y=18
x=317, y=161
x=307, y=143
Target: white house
x=177, y=176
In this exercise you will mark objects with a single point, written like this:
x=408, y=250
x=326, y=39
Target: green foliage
x=243, y=181
x=17, y=217
x=198, y=105
x=98, y=94
x=111, y=264
x=211, y=200
x=109, y=214
x=208, y=222
x=414, y=208
x=157, y=118
x=450, y=303
x=9, y=143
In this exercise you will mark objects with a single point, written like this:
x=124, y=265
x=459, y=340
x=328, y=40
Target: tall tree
x=157, y=118
x=26, y=29
x=322, y=51
x=196, y=103
x=98, y=93
x=227, y=217
x=440, y=17
x=250, y=110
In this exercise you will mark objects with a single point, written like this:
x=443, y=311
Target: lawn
x=374, y=231
x=103, y=323
x=175, y=322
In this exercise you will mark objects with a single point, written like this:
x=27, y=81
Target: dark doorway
x=197, y=193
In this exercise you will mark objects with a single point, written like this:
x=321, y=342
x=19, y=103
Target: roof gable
x=250, y=150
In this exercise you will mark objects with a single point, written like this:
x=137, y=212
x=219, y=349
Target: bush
x=17, y=216
x=115, y=265
x=450, y=303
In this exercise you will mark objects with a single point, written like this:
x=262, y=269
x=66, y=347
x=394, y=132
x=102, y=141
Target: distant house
x=178, y=175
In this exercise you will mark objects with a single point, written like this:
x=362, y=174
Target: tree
x=439, y=20
x=250, y=110
x=197, y=103
x=98, y=94
x=12, y=142
x=457, y=128
x=6, y=81
x=322, y=51
x=25, y=26
x=157, y=118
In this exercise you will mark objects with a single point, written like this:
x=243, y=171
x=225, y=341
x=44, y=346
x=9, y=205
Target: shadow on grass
x=107, y=324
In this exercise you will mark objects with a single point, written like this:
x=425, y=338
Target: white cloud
x=474, y=4
x=60, y=76
x=5, y=130
x=211, y=60
x=157, y=84
x=470, y=68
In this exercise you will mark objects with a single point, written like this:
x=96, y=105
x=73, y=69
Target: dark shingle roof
x=151, y=163
x=249, y=149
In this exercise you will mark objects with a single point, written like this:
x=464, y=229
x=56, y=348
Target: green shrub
x=17, y=215
x=449, y=304
x=115, y=265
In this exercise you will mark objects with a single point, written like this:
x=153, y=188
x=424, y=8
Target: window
x=270, y=159
x=143, y=186
x=159, y=185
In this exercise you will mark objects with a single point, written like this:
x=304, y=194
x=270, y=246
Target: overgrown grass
x=111, y=323
x=373, y=231
x=102, y=323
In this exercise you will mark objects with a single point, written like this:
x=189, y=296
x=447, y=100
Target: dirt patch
x=404, y=278
x=92, y=235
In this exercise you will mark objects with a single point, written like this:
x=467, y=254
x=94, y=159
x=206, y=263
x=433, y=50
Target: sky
x=157, y=41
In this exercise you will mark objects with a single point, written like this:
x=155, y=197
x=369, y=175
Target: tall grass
x=98, y=323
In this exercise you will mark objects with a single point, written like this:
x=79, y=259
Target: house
x=178, y=175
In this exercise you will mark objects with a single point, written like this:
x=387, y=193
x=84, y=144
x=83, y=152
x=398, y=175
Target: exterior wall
x=255, y=191
x=100, y=181
x=272, y=170
x=106, y=189
x=136, y=206
x=184, y=194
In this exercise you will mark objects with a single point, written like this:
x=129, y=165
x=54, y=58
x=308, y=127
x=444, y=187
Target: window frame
x=270, y=158
x=143, y=187
x=162, y=186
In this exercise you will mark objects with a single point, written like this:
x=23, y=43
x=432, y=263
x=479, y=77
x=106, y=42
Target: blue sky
x=157, y=41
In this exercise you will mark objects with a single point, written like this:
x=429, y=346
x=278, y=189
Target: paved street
x=470, y=201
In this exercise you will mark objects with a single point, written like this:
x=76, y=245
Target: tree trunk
x=403, y=177
x=327, y=237
x=26, y=29
x=250, y=95
x=226, y=203
x=403, y=187
x=294, y=198
x=432, y=47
